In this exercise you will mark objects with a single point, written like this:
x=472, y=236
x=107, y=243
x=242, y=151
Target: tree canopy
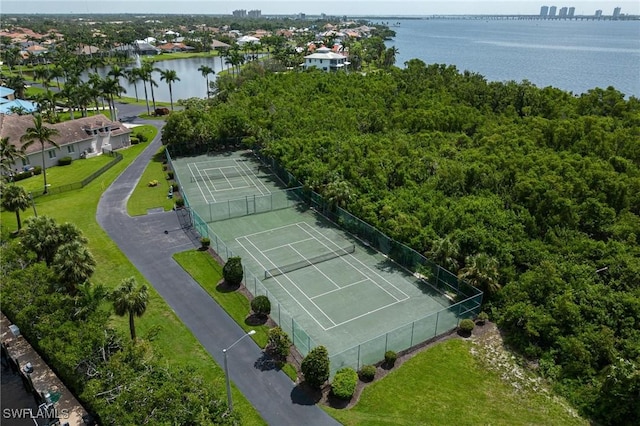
x=532, y=193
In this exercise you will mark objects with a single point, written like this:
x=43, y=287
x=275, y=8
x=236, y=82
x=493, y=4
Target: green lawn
x=147, y=197
x=207, y=272
x=445, y=385
x=172, y=341
x=64, y=175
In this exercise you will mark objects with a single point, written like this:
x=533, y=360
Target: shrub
x=170, y=175
x=65, y=161
x=232, y=271
x=368, y=373
x=179, y=203
x=134, y=140
x=37, y=170
x=141, y=137
x=390, y=358
x=153, y=183
x=174, y=187
x=315, y=366
x=344, y=383
x=279, y=343
x=482, y=318
x=466, y=326
x=205, y=242
x=261, y=306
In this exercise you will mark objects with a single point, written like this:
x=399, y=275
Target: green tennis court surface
x=342, y=293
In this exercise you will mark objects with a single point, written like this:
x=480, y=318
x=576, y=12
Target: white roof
x=325, y=53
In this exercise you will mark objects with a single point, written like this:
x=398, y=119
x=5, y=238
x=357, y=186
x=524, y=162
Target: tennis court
x=340, y=291
x=327, y=287
x=230, y=185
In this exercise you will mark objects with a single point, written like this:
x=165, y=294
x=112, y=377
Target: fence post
x=358, y=360
x=435, y=332
x=386, y=341
x=413, y=325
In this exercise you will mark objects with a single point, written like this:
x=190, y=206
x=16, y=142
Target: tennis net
x=218, y=175
x=274, y=272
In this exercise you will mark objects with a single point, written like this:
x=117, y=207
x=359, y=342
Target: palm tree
x=88, y=298
x=111, y=87
x=481, y=271
x=15, y=199
x=74, y=264
x=42, y=134
x=170, y=76
x=133, y=77
x=445, y=252
x=205, y=70
x=9, y=154
x=146, y=71
x=17, y=83
x=130, y=298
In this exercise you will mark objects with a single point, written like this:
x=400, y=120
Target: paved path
x=149, y=248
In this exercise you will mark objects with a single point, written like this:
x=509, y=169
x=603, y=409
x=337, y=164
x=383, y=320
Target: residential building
x=599, y=13
x=9, y=104
x=572, y=12
x=79, y=138
x=254, y=13
x=544, y=11
x=616, y=13
x=563, y=12
x=240, y=13
x=552, y=11
x=326, y=60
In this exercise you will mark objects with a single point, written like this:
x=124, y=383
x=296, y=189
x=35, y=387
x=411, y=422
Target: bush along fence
x=465, y=299
x=117, y=157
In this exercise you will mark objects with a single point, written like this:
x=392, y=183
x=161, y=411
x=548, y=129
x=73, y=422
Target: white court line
x=243, y=169
x=283, y=287
x=287, y=245
x=198, y=184
x=354, y=258
x=340, y=288
x=365, y=314
x=272, y=229
x=316, y=268
x=249, y=169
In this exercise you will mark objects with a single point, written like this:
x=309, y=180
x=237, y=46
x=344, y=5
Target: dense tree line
x=531, y=193
x=47, y=292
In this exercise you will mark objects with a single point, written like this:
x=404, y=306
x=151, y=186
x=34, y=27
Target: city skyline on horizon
x=309, y=7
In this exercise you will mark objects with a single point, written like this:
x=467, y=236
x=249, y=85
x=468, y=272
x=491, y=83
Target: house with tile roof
x=79, y=138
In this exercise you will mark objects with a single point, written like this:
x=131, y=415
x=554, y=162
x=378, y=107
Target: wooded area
x=531, y=194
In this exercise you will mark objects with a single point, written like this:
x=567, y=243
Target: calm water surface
x=191, y=84
x=572, y=55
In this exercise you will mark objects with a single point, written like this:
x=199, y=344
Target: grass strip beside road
x=170, y=338
x=204, y=269
x=446, y=385
x=145, y=197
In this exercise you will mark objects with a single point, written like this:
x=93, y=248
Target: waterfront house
x=326, y=60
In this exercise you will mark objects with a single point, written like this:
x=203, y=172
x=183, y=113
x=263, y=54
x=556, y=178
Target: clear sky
x=315, y=7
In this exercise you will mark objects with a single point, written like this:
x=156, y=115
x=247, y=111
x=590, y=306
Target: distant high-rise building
x=599, y=13
x=563, y=12
x=254, y=13
x=616, y=12
x=544, y=10
x=572, y=12
x=240, y=13
x=552, y=11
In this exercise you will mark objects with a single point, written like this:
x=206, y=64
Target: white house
x=77, y=138
x=326, y=60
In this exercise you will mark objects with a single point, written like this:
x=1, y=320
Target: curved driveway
x=146, y=244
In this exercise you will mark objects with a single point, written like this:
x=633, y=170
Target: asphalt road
x=146, y=244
